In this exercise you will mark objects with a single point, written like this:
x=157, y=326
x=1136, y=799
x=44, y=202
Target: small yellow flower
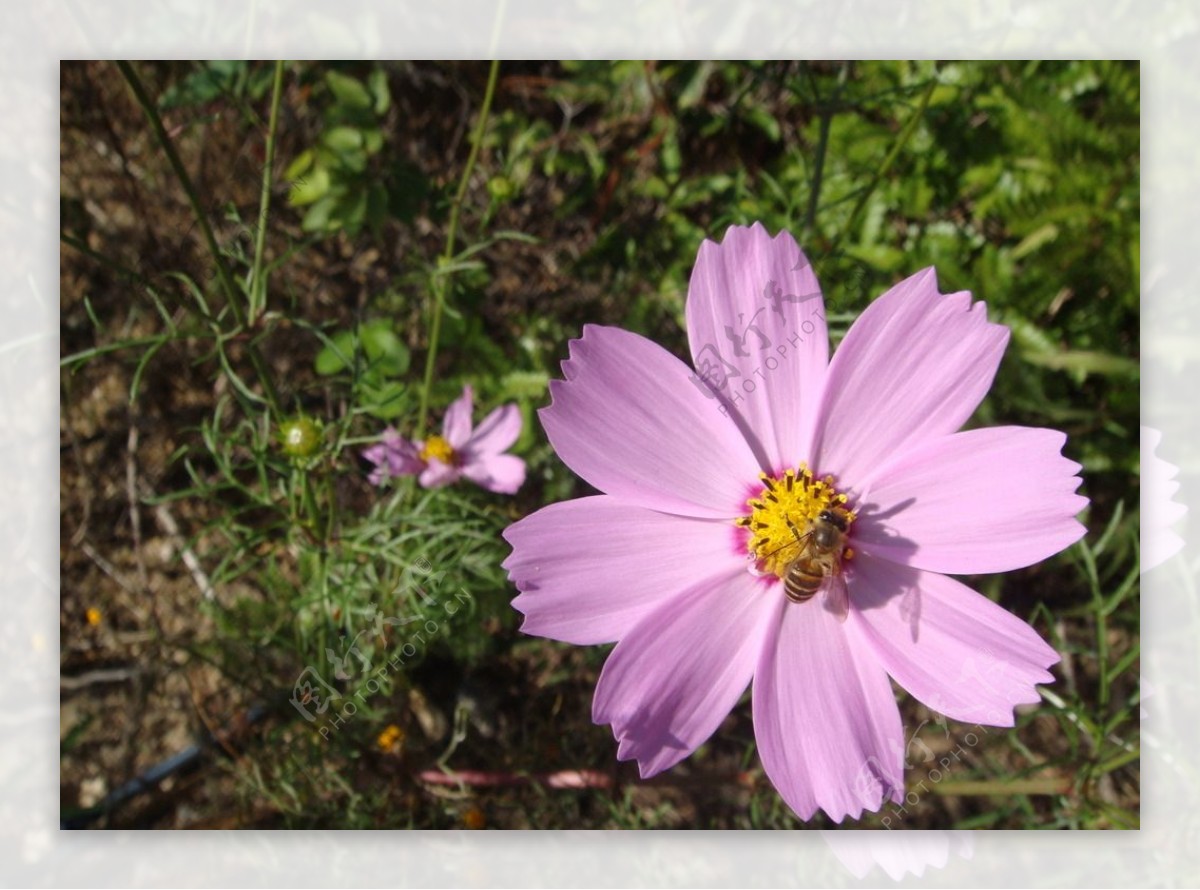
x=474, y=819
x=391, y=739
x=93, y=616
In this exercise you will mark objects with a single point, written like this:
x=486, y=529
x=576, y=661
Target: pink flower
x=713, y=484
x=460, y=451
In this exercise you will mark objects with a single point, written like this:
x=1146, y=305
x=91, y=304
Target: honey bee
x=819, y=562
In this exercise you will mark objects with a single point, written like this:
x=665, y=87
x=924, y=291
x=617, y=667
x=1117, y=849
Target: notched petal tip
x=951, y=648
x=679, y=671
x=826, y=722
x=913, y=366
x=739, y=237
x=630, y=420
x=992, y=499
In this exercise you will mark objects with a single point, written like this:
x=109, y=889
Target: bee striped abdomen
x=801, y=584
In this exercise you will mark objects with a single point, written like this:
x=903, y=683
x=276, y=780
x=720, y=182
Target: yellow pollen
x=787, y=505
x=438, y=448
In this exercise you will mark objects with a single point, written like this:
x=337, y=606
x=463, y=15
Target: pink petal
x=670, y=682
x=756, y=326
x=380, y=474
x=378, y=455
x=590, y=569
x=438, y=474
x=951, y=648
x=825, y=719
x=501, y=473
x=913, y=366
x=404, y=457
x=627, y=420
x=393, y=455
x=456, y=425
x=495, y=433
x=986, y=500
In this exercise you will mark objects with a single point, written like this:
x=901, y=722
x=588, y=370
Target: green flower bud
x=300, y=437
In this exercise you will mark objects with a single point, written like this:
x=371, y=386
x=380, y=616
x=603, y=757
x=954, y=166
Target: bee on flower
x=789, y=522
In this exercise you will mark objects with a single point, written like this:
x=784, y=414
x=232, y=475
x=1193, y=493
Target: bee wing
x=802, y=541
x=837, y=597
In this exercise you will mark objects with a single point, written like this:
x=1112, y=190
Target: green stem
x=440, y=278
x=227, y=284
x=827, y=114
x=1001, y=788
x=258, y=278
x=1120, y=760
x=909, y=127
x=1098, y=606
x=1101, y=649
x=139, y=93
x=115, y=266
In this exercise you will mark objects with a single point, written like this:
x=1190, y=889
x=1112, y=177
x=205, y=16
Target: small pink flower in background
x=462, y=450
x=710, y=487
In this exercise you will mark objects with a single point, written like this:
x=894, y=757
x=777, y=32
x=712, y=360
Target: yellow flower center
x=438, y=448
x=783, y=514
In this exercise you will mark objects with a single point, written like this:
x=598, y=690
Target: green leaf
x=385, y=354
x=524, y=384
x=384, y=350
x=345, y=145
x=299, y=166
x=343, y=139
x=350, y=212
x=693, y=90
x=1084, y=362
x=334, y=358
x=1035, y=239
x=386, y=400
x=318, y=217
x=202, y=86
x=764, y=120
x=309, y=188
x=378, y=84
x=348, y=90
x=372, y=140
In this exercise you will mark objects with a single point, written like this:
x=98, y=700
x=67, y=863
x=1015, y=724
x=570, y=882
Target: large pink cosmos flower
x=708, y=479
x=460, y=451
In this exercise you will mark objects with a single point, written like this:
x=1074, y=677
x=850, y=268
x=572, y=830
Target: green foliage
x=341, y=179
x=375, y=360
x=213, y=80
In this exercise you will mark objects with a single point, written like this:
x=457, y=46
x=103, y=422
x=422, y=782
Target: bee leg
x=792, y=526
